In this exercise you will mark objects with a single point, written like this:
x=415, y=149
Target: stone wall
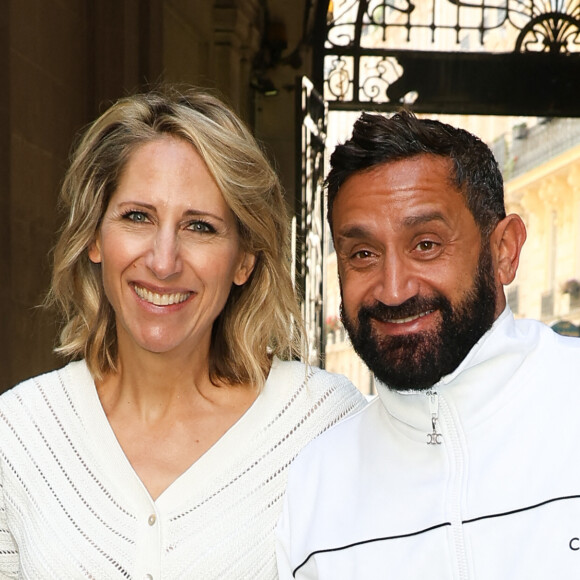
x=46, y=56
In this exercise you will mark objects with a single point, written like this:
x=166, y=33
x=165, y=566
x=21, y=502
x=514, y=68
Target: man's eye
x=362, y=255
x=425, y=245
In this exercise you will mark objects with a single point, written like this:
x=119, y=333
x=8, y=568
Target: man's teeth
x=161, y=299
x=410, y=318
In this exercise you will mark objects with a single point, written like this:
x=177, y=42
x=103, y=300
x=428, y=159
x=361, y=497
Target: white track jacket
x=477, y=479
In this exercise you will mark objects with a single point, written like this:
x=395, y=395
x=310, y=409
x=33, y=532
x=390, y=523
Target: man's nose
x=163, y=257
x=396, y=281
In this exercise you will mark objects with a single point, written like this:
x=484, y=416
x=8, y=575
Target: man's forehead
x=405, y=181
x=395, y=168
x=413, y=199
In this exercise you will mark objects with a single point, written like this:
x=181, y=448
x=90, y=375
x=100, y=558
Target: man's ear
x=245, y=269
x=506, y=242
x=95, y=251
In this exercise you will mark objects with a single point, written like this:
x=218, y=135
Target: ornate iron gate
x=519, y=57
x=310, y=214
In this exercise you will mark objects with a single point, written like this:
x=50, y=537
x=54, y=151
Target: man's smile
x=408, y=318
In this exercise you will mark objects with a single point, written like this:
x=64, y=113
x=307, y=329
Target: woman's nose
x=163, y=257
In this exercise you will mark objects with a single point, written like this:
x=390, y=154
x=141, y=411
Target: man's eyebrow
x=360, y=231
x=355, y=231
x=417, y=220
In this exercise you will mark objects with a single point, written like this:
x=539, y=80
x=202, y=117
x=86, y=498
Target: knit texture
x=71, y=506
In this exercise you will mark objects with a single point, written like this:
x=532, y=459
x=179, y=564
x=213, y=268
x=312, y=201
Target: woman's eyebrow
x=187, y=213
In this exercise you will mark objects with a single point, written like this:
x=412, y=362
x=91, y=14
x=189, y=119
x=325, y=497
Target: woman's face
x=169, y=250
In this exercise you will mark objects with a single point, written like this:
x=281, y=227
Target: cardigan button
x=152, y=519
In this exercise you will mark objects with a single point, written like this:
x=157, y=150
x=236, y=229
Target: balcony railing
x=532, y=146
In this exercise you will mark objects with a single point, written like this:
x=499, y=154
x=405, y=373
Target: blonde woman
x=161, y=450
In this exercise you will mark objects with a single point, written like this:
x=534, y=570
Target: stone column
x=236, y=41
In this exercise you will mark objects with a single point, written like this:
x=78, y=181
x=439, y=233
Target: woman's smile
x=161, y=298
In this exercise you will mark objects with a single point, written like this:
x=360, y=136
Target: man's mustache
x=412, y=307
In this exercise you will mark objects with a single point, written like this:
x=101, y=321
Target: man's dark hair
x=377, y=139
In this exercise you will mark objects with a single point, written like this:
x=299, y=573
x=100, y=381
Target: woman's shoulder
x=301, y=401
x=41, y=409
x=37, y=391
x=315, y=383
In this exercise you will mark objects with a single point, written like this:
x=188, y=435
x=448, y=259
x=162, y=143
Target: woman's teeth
x=161, y=299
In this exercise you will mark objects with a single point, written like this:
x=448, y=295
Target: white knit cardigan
x=71, y=506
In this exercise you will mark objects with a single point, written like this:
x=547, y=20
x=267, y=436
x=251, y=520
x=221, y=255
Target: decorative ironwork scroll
x=310, y=214
x=385, y=53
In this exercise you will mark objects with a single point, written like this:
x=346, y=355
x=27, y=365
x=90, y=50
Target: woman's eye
x=201, y=227
x=136, y=216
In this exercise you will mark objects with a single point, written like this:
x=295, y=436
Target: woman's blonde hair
x=261, y=318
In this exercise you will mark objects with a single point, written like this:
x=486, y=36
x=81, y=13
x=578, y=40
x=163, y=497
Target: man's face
x=417, y=292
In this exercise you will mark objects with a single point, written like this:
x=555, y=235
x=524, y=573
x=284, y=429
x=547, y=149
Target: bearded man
x=467, y=464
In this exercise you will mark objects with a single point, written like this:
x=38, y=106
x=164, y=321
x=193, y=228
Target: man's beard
x=417, y=361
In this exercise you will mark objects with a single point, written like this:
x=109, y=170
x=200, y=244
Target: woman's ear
x=95, y=250
x=245, y=269
x=507, y=240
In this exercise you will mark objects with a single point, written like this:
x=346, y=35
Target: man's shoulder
x=342, y=442
x=541, y=331
x=326, y=477
x=548, y=344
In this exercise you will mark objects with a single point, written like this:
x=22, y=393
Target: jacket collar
x=476, y=387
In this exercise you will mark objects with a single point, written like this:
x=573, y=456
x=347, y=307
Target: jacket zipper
x=435, y=437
